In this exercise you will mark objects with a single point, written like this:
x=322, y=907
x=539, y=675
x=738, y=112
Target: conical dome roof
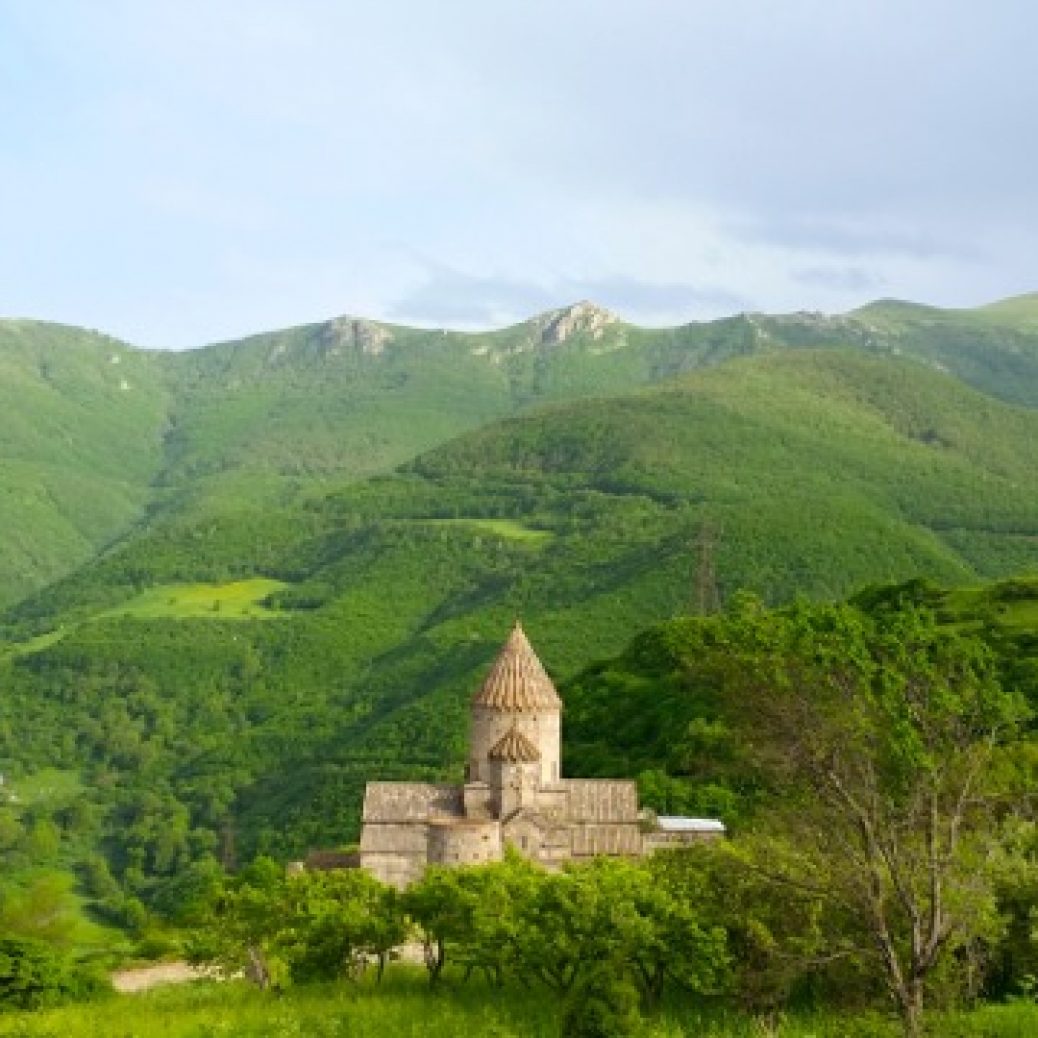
x=513, y=746
x=517, y=680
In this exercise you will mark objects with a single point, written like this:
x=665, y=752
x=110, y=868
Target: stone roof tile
x=517, y=680
x=514, y=746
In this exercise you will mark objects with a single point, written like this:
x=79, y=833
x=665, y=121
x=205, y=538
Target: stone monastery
x=514, y=794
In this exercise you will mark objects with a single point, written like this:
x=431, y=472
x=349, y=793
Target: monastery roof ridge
x=517, y=680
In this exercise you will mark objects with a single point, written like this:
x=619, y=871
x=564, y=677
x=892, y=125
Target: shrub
x=32, y=975
x=605, y=1004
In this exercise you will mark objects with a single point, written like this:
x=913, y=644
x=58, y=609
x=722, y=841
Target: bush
x=605, y=1004
x=32, y=975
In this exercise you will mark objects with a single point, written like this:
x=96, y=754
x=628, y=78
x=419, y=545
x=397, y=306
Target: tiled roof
x=514, y=746
x=410, y=801
x=517, y=680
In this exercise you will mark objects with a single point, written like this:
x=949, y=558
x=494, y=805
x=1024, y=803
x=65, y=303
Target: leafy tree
x=44, y=910
x=279, y=928
x=330, y=922
x=240, y=934
x=879, y=733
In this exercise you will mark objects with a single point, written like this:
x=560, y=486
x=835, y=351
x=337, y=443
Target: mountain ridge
x=1024, y=301
x=279, y=415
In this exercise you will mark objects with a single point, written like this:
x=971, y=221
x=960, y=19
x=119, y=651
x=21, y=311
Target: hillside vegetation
x=100, y=440
x=199, y=727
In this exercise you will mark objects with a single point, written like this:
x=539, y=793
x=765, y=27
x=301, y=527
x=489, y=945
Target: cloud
x=843, y=279
x=453, y=298
x=671, y=160
x=856, y=237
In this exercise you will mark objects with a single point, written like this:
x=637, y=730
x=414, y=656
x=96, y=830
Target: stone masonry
x=514, y=794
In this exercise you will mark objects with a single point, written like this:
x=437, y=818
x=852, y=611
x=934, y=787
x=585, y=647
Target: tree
x=604, y=1004
x=878, y=734
x=240, y=933
x=279, y=928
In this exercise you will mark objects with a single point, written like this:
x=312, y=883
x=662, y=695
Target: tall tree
x=879, y=734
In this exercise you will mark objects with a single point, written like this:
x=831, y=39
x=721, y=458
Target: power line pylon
x=707, y=596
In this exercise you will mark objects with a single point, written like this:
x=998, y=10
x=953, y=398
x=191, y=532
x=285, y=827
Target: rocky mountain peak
x=348, y=332
x=585, y=316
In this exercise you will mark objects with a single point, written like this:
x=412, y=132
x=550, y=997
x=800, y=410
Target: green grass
x=505, y=528
x=233, y=600
x=47, y=787
x=31, y=645
x=404, y=1007
x=236, y=599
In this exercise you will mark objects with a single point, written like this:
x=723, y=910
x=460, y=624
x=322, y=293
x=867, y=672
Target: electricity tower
x=706, y=594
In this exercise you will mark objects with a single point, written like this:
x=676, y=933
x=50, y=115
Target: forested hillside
x=81, y=422
x=98, y=440
x=225, y=680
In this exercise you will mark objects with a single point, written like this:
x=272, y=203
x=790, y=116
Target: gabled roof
x=514, y=746
x=396, y=802
x=517, y=680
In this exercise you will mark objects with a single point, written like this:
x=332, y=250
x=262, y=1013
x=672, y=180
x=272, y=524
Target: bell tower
x=517, y=697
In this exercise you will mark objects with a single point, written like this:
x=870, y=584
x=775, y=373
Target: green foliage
x=99, y=436
x=198, y=731
x=309, y=926
x=604, y=1004
x=33, y=974
x=513, y=920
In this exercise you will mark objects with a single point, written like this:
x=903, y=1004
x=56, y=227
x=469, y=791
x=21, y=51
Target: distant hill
x=98, y=440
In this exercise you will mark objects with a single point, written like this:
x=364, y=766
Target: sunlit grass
x=506, y=528
x=404, y=1006
x=237, y=598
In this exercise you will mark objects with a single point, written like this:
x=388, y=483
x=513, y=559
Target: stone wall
x=490, y=725
x=513, y=785
x=409, y=801
x=459, y=841
x=394, y=852
x=610, y=838
x=658, y=841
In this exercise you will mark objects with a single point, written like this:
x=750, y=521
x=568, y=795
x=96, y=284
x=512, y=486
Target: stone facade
x=514, y=794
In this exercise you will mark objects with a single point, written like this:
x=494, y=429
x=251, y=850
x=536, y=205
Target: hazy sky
x=180, y=172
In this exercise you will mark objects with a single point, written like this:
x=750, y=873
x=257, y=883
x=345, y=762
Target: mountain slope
x=98, y=438
x=81, y=423
x=819, y=471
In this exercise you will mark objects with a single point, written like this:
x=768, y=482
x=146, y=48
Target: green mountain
x=227, y=676
x=81, y=419
x=98, y=441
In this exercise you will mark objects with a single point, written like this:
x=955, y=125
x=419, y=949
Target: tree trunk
x=910, y=1007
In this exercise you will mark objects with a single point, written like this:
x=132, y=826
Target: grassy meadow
x=405, y=1007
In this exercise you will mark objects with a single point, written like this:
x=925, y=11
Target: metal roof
x=679, y=823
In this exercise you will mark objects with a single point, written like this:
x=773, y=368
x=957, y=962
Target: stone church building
x=514, y=792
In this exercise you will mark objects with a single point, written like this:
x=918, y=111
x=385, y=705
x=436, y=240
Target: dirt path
x=145, y=977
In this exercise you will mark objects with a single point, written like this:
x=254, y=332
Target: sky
x=176, y=173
